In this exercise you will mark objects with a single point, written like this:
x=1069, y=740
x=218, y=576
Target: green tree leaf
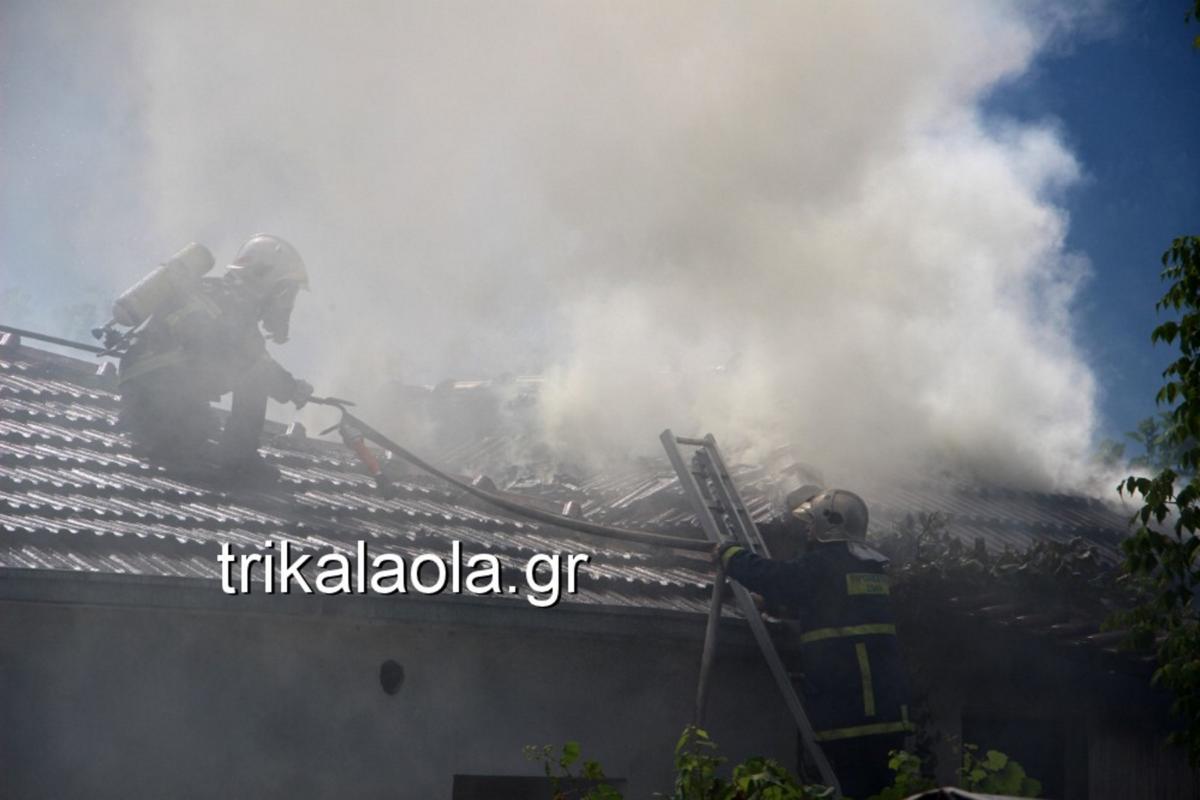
x=570, y=754
x=1165, y=561
x=995, y=760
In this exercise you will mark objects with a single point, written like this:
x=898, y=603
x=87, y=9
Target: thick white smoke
x=782, y=222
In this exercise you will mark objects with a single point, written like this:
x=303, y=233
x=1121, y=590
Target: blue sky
x=1128, y=103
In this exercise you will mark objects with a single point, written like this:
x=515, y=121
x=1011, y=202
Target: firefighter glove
x=302, y=391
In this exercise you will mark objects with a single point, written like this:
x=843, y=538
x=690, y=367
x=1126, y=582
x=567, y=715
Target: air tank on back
x=165, y=286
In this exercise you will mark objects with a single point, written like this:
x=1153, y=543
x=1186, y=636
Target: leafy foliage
x=928, y=563
x=698, y=764
x=995, y=773
x=566, y=784
x=1162, y=552
x=1161, y=450
x=909, y=778
x=696, y=778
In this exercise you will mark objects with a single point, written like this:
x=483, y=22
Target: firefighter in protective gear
x=205, y=342
x=855, y=685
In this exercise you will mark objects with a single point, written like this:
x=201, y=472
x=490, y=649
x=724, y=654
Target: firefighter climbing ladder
x=724, y=517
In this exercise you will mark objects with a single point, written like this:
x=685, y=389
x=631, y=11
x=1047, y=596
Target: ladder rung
x=688, y=440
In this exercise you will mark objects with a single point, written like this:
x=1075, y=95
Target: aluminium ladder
x=723, y=515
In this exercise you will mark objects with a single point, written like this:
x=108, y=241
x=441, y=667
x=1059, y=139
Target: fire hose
x=354, y=431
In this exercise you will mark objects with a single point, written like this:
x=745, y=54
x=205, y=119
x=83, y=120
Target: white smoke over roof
x=627, y=195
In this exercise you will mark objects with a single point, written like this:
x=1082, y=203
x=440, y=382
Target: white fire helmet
x=269, y=262
x=831, y=515
x=271, y=268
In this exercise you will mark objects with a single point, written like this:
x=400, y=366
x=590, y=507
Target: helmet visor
x=277, y=312
x=802, y=519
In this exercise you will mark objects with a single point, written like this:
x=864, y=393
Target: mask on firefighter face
x=277, y=313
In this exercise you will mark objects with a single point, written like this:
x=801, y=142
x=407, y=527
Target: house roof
x=74, y=498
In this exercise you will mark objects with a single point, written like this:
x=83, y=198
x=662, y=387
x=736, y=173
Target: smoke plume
x=786, y=223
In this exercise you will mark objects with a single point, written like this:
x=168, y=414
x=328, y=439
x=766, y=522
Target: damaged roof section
x=647, y=495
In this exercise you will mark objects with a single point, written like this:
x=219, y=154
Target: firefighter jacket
x=854, y=681
x=210, y=336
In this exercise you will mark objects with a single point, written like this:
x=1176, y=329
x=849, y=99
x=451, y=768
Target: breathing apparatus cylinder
x=166, y=285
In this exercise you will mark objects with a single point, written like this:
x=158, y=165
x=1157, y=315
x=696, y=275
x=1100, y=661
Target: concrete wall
x=134, y=702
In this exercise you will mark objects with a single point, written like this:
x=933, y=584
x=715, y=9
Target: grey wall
x=137, y=702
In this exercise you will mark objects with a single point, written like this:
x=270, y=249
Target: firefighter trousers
x=167, y=412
